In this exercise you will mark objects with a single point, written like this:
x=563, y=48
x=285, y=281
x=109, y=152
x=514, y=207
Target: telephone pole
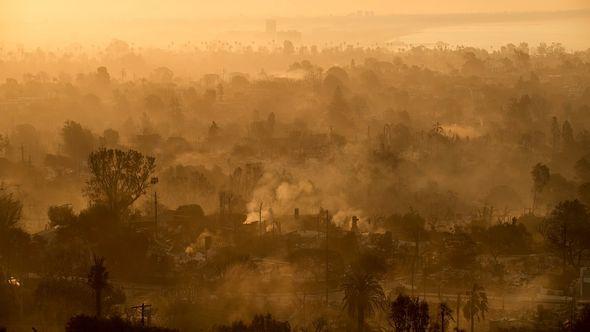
x=146, y=312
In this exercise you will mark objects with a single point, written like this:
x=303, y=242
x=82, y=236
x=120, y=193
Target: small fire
x=12, y=281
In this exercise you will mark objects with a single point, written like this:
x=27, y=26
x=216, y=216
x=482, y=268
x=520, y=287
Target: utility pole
x=145, y=311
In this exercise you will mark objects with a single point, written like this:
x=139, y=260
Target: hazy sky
x=64, y=9
x=44, y=22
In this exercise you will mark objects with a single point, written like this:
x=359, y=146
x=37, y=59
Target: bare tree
x=118, y=178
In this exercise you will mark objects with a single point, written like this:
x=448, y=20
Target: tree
x=153, y=103
x=78, y=141
x=418, y=314
x=61, y=215
x=109, y=138
x=14, y=242
x=8, y=301
x=582, y=168
x=338, y=110
x=476, y=305
x=288, y=47
x=15, y=250
x=584, y=193
x=98, y=281
x=61, y=298
x=118, y=178
x=10, y=210
x=541, y=176
x=412, y=226
x=397, y=315
x=83, y=323
x=260, y=323
x=472, y=65
x=102, y=75
x=582, y=323
x=162, y=75
x=406, y=313
x=507, y=238
x=446, y=315
x=320, y=324
x=268, y=323
x=567, y=134
x=567, y=230
x=556, y=134
x=339, y=73
x=362, y=295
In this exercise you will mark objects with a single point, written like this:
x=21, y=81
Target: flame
x=12, y=281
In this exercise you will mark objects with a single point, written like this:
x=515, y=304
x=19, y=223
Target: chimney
x=354, y=227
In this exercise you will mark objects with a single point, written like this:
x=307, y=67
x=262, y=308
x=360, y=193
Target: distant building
x=273, y=33
x=270, y=33
x=271, y=27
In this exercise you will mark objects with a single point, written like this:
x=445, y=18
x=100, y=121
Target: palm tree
x=362, y=295
x=398, y=315
x=446, y=315
x=419, y=316
x=406, y=313
x=98, y=281
x=476, y=305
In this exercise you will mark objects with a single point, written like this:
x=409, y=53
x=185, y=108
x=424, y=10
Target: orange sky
x=62, y=9
x=68, y=20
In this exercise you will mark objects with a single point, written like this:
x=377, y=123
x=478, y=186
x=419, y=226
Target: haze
x=295, y=166
x=58, y=23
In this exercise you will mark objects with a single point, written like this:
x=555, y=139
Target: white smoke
x=279, y=193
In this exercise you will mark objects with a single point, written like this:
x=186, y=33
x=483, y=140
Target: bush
x=83, y=323
x=260, y=323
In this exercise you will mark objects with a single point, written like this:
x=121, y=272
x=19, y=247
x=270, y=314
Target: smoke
x=314, y=185
x=462, y=131
x=279, y=193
